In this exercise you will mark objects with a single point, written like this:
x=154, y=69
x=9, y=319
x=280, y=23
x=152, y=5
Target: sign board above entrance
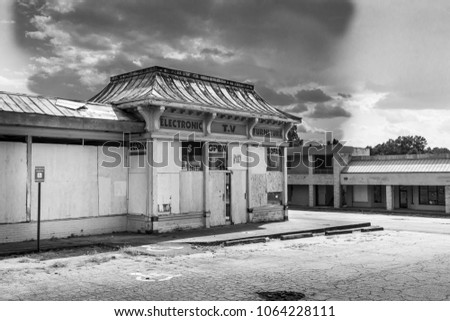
x=271, y=132
x=227, y=128
x=181, y=124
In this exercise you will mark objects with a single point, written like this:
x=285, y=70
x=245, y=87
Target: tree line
x=406, y=145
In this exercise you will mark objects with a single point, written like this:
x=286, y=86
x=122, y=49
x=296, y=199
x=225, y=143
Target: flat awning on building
x=430, y=165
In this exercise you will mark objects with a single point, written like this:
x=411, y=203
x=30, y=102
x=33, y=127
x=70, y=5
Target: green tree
x=401, y=145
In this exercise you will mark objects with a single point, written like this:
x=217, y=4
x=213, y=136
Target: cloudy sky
x=366, y=70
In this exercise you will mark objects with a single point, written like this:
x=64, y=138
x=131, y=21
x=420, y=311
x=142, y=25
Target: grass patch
x=25, y=259
x=133, y=251
x=58, y=265
x=100, y=259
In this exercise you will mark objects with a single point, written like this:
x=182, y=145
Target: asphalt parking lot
x=399, y=263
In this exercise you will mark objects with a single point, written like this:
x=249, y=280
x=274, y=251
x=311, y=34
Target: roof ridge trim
x=181, y=73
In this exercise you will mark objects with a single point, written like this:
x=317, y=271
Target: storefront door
x=218, y=196
x=238, y=196
x=403, y=197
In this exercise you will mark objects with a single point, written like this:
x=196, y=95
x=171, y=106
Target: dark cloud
x=345, y=95
x=299, y=108
x=286, y=42
x=312, y=95
x=328, y=111
x=62, y=84
x=272, y=96
x=217, y=52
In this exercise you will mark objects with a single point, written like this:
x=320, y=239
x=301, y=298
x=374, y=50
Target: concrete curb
x=295, y=236
x=284, y=234
x=246, y=241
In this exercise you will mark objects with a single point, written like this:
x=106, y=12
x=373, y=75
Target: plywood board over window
x=274, y=181
x=258, y=193
x=13, y=178
x=168, y=193
x=191, y=191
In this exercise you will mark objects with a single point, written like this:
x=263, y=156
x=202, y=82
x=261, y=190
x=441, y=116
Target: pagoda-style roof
x=181, y=89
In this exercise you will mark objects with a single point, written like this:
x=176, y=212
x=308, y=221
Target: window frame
x=435, y=195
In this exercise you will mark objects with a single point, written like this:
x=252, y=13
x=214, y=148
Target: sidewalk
x=211, y=236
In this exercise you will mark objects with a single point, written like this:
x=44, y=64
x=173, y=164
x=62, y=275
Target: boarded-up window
x=360, y=194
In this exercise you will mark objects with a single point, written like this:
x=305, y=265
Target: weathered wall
x=71, y=184
x=168, y=156
x=13, y=177
x=274, y=181
x=236, y=156
x=258, y=179
x=18, y=232
x=112, y=183
x=169, y=191
x=314, y=179
x=180, y=222
x=191, y=192
x=258, y=191
x=137, y=194
x=257, y=160
x=268, y=214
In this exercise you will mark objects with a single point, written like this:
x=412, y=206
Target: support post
x=312, y=195
x=152, y=183
x=389, y=198
x=29, y=177
x=39, y=218
x=337, y=191
x=285, y=183
x=206, y=198
x=447, y=199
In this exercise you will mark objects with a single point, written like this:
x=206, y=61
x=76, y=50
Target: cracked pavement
x=387, y=265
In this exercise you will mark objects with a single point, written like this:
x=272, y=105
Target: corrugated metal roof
x=29, y=104
x=190, y=89
x=428, y=165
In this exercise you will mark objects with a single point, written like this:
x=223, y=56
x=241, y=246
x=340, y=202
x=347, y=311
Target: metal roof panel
x=427, y=165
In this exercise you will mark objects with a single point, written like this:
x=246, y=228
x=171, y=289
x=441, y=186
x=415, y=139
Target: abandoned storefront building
x=156, y=150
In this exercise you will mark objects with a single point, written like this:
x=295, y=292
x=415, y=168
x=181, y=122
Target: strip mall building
x=331, y=176
x=156, y=150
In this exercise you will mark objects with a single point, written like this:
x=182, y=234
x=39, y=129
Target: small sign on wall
x=39, y=174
